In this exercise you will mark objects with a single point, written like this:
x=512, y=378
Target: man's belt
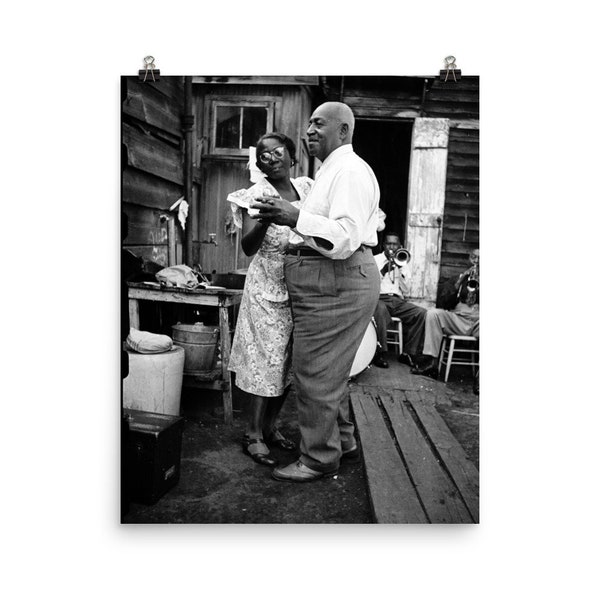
x=305, y=251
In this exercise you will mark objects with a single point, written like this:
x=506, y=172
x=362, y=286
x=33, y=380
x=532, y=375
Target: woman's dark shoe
x=257, y=450
x=276, y=438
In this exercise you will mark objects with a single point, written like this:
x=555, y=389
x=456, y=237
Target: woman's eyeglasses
x=268, y=155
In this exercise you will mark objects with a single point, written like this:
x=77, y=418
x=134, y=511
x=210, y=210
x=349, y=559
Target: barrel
x=200, y=344
x=154, y=381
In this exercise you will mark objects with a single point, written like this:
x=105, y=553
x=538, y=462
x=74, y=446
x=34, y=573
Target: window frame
x=267, y=102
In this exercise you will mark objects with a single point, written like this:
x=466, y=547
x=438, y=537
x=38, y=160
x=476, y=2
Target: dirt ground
x=219, y=484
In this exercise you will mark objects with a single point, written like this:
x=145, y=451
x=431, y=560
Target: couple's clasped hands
x=269, y=209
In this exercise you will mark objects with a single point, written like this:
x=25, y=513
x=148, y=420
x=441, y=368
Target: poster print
x=212, y=432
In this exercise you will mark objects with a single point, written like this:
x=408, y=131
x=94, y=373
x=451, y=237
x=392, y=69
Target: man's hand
x=275, y=210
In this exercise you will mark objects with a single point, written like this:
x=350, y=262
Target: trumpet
x=473, y=279
x=401, y=257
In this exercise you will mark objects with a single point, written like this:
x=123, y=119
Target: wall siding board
x=147, y=190
x=151, y=107
x=462, y=198
x=146, y=153
x=146, y=227
x=170, y=87
x=152, y=171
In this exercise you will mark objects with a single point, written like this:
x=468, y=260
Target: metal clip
x=150, y=69
x=450, y=68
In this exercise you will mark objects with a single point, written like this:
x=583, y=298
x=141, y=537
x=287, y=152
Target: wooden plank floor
x=416, y=470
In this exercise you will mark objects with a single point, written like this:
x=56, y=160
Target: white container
x=154, y=381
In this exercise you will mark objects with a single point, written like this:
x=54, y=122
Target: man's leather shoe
x=298, y=472
x=428, y=369
x=380, y=362
x=406, y=359
x=351, y=457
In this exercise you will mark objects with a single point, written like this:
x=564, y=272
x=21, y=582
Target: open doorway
x=385, y=145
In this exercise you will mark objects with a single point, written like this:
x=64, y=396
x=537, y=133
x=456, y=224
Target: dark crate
x=154, y=454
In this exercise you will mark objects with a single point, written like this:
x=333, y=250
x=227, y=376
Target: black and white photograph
x=300, y=319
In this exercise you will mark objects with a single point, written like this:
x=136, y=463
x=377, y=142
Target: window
x=237, y=125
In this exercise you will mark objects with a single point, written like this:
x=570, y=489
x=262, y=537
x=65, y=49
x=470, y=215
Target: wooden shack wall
x=152, y=164
x=405, y=98
x=220, y=175
x=459, y=102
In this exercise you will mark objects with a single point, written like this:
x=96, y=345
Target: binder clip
x=450, y=72
x=150, y=71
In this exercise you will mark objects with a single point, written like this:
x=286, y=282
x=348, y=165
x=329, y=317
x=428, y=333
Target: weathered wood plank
x=147, y=190
x=467, y=132
x=426, y=192
x=158, y=253
x=147, y=228
x=447, y=94
x=462, y=173
x=149, y=154
x=437, y=492
x=464, y=148
x=462, y=160
x=148, y=105
x=463, y=186
x=460, y=248
x=198, y=296
x=452, y=224
x=456, y=199
x=393, y=496
x=385, y=113
x=462, y=471
x=170, y=86
x=456, y=261
x=455, y=113
x=257, y=79
x=396, y=102
x=466, y=82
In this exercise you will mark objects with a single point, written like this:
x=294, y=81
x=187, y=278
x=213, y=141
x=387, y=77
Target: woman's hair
x=284, y=139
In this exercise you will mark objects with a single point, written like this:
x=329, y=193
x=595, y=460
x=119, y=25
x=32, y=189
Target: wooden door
x=426, y=194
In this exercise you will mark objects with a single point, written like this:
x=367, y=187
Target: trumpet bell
x=401, y=257
x=472, y=285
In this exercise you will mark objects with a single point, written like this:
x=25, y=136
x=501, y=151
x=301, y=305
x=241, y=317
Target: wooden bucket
x=200, y=344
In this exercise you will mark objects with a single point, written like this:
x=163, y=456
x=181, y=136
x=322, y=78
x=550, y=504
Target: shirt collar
x=345, y=149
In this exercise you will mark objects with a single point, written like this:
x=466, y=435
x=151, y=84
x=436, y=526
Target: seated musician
x=461, y=320
x=392, y=303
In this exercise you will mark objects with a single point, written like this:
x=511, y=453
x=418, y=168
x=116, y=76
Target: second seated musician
x=463, y=319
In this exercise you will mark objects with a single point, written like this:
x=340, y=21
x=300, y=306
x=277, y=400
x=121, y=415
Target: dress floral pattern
x=261, y=349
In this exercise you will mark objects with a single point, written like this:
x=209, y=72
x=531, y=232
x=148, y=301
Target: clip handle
x=150, y=71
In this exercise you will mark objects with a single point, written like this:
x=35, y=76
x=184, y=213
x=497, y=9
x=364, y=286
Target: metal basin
x=231, y=281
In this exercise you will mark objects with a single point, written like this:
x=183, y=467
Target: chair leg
x=441, y=355
x=400, y=347
x=449, y=363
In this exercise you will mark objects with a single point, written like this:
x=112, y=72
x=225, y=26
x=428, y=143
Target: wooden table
x=221, y=299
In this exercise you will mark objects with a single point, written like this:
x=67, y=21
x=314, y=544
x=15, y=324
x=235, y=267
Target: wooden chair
x=394, y=334
x=468, y=345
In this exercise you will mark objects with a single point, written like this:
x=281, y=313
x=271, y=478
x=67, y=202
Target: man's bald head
x=330, y=126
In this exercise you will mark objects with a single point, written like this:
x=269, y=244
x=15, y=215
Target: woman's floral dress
x=261, y=349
